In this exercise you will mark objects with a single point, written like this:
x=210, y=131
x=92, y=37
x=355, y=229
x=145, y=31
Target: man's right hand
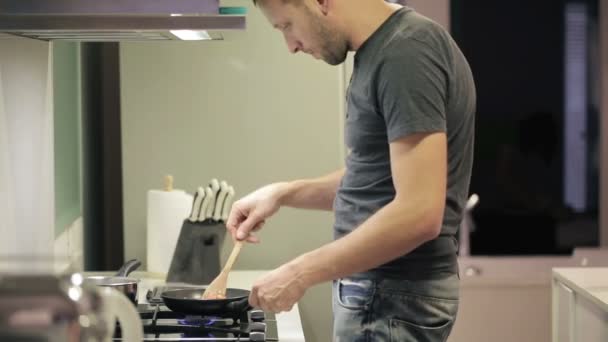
x=249, y=214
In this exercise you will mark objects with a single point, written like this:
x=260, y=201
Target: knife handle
x=198, y=198
x=227, y=204
x=219, y=201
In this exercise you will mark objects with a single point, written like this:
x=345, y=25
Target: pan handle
x=128, y=267
x=240, y=305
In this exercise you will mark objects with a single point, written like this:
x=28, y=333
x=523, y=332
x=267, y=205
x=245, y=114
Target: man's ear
x=323, y=5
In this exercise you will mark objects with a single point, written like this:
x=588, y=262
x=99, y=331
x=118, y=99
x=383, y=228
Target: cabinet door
x=591, y=322
x=563, y=313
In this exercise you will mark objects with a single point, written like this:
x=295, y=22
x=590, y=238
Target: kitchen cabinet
x=564, y=309
x=580, y=304
x=26, y=148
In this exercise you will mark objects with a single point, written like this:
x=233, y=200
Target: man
x=399, y=200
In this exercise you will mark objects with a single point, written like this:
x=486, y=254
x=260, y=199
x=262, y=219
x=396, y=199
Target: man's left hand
x=278, y=290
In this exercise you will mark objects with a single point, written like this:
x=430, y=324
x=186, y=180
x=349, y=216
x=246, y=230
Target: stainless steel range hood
x=119, y=20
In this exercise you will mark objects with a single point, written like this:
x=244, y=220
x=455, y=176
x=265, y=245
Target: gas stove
x=162, y=324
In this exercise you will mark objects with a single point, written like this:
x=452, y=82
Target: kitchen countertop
x=289, y=323
x=589, y=282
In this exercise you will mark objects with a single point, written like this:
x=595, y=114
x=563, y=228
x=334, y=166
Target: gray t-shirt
x=409, y=77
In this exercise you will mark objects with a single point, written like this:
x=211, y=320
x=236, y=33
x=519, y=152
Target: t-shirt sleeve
x=412, y=90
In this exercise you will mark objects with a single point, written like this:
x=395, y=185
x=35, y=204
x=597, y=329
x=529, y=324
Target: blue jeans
x=383, y=310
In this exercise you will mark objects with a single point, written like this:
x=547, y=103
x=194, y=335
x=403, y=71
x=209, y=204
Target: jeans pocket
x=423, y=319
x=354, y=294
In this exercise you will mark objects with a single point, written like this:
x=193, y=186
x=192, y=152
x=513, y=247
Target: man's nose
x=293, y=45
x=294, y=49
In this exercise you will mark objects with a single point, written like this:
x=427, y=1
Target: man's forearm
x=387, y=235
x=317, y=193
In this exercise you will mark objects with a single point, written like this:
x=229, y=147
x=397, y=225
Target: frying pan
x=188, y=301
x=120, y=281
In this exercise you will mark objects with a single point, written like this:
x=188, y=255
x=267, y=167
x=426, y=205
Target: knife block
x=196, y=259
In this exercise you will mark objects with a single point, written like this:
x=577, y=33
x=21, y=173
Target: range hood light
x=191, y=35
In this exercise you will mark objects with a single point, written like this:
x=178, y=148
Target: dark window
x=536, y=158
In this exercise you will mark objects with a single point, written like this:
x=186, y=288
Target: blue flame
x=199, y=320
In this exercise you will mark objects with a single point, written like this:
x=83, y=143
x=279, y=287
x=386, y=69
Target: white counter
x=289, y=323
x=589, y=282
x=580, y=304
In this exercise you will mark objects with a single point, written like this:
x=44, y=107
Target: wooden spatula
x=217, y=288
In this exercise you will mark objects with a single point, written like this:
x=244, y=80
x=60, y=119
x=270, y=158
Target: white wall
x=438, y=10
x=243, y=110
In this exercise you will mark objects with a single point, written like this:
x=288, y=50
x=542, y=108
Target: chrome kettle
x=63, y=308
